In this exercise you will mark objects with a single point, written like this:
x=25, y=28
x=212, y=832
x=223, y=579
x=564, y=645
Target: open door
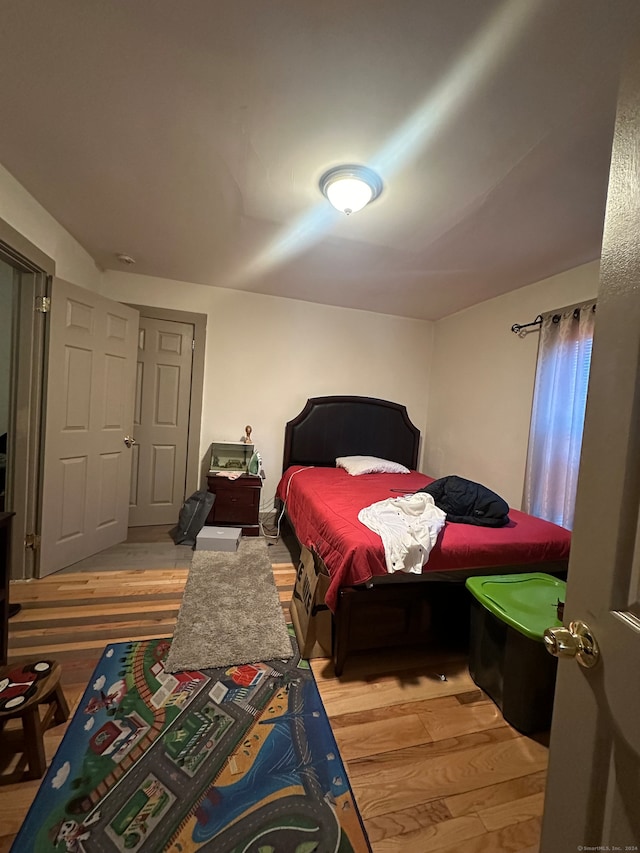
x=89, y=399
x=593, y=787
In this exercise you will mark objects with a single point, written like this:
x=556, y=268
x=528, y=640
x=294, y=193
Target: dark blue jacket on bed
x=467, y=502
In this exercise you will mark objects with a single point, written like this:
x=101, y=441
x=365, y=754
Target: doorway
x=95, y=349
x=26, y=281
x=7, y=310
x=24, y=273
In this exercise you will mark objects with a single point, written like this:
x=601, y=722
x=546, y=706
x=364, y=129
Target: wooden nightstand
x=237, y=502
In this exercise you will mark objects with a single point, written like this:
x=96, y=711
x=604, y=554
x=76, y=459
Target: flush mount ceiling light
x=125, y=259
x=350, y=188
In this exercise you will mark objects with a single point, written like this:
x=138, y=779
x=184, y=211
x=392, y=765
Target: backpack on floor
x=192, y=517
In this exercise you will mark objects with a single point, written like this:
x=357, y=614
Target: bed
x=370, y=607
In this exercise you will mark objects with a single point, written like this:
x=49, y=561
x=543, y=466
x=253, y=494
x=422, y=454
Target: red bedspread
x=323, y=505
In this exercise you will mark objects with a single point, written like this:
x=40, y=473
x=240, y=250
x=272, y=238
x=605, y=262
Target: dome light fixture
x=125, y=259
x=350, y=188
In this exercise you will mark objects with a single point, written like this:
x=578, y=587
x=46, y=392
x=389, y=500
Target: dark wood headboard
x=329, y=427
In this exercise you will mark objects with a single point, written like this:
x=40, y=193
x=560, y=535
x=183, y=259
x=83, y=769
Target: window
x=557, y=419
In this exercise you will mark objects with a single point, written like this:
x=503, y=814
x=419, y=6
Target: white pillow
x=355, y=465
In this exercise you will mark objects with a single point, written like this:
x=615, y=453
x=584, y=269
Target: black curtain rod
x=518, y=327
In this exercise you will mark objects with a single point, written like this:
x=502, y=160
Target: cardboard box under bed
x=310, y=615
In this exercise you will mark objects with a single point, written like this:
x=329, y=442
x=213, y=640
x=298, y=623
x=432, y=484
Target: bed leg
x=342, y=629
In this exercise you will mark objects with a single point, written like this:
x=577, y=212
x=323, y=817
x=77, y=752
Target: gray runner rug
x=230, y=612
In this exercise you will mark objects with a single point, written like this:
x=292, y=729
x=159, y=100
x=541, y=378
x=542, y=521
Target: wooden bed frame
x=394, y=610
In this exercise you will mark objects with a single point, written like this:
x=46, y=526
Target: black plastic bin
x=507, y=657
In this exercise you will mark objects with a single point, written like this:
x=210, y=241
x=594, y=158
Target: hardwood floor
x=433, y=765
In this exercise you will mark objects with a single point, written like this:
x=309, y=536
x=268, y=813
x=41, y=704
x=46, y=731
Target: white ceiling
x=191, y=134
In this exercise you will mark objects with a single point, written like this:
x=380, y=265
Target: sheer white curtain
x=557, y=419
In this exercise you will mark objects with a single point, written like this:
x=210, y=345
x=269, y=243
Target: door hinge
x=43, y=304
x=32, y=540
x=193, y=344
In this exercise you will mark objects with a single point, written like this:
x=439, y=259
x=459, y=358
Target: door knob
x=576, y=641
x=129, y=440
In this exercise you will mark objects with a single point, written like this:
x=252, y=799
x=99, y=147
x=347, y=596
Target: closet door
x=161, y=421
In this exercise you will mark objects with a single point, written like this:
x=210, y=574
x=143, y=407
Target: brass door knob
x=576, y=641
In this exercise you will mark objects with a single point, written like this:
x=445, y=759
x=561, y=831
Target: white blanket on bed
x=408, y=527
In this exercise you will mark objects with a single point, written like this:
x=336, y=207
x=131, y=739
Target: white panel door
x=88, y=415
x=593, y=787
x=161, y=418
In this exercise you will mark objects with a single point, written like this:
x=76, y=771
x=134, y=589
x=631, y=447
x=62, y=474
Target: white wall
x=21, y=211
x=482, y=383
x=266, y=355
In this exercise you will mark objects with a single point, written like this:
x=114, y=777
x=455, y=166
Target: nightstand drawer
x=234, y=514
x=237, y=497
